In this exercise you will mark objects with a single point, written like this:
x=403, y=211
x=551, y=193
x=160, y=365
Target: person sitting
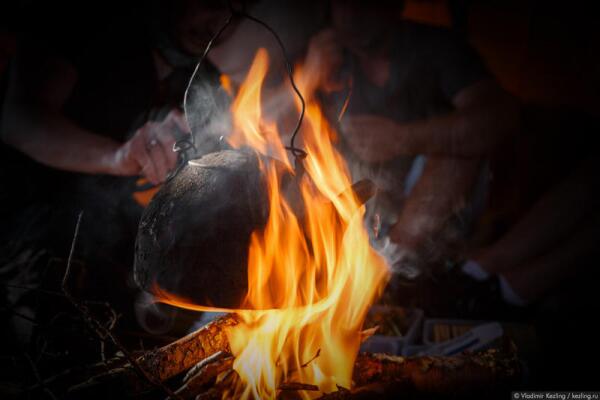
x=409, y=92
x=88, y=110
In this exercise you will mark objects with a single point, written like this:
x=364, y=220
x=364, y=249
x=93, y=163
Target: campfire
x=308, y=279
x=311, y=278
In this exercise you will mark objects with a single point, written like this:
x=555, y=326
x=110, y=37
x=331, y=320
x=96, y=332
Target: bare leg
x=550, y=221
x=533, y=279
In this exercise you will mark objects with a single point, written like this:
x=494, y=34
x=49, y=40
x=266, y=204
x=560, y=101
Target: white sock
x=509, y=295
x=474, y=270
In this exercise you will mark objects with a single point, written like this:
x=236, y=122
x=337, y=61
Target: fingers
x=173, y=127
x=143, y=157
x=148, y=154
x=166, y=143
x=151, y=148
x=159, y=161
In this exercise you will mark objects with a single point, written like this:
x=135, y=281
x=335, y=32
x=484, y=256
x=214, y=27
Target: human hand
x=324, y=60
x=150, y=151
x=373, y=138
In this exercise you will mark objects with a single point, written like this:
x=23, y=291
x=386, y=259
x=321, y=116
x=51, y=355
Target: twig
x=312, y=359
x=341, y=394
x=70, y=371
x=222, y=388
x=39, y=378
x=23, y=316
x=110, y=325
x=71, y=252
x=100, y=329
x=33, y=288
x=298, y=386
x=202, y=363
x=204, y=376
x=62, y=294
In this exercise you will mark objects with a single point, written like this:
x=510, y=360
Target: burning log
x=374, y=374
x=296, y=386
x=437, y=373
x=232, y=231
x=186, y=352
x=167, y=361
x=384, y=376
x=461, y=375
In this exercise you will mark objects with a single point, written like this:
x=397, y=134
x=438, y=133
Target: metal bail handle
x=183, y=146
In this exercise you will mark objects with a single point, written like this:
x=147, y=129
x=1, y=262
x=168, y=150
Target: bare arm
x=441, y=191
x=33, y=122
x=455, y=143
x=484, y=115
x=552, y=219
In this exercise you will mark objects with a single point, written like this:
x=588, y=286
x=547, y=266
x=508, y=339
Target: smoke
x=153, y=317
x=208, y=112
x=294, y=23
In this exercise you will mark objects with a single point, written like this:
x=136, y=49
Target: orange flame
x=311, y=277
x=316, y=275
x=225, y=81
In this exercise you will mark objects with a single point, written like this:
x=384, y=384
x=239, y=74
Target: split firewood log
x=463, y=376
x=374, y=374
x=436, y=374
x=167, y=361
x=177, y=357
x=480, y=375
